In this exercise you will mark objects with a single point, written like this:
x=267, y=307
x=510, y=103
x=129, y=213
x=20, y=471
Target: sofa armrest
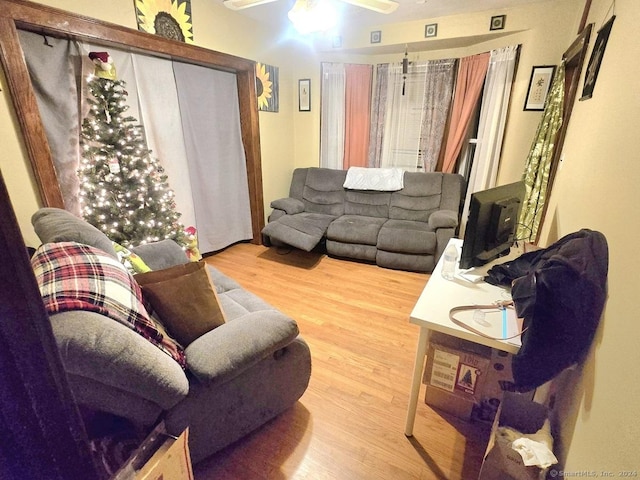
x=443, y=219
x=290, y=206
x=230, y=349
x=162, y=254
x=104, y=351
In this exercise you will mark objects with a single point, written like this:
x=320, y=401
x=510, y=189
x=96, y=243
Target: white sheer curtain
x=332, y=116
x=404, y=113
x=160, y=111
x=493, y=115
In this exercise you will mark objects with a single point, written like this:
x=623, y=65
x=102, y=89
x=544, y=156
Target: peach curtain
x=471, y=75
x=357, y=114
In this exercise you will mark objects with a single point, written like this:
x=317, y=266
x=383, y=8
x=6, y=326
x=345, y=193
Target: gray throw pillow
x=54, y=225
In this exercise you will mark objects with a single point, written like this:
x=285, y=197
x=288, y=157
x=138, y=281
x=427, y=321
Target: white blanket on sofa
x=381, y=179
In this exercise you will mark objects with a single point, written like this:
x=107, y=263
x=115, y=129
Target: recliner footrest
x=302, y=230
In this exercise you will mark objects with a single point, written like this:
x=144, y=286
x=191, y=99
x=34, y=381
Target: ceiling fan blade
x=240, y=4
x=381, y=6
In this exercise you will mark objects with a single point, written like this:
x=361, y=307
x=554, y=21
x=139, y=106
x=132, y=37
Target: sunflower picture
x=267, y=87
x=167, y=18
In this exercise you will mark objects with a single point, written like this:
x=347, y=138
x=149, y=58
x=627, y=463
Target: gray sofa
x=238, y=376
x=406, y=229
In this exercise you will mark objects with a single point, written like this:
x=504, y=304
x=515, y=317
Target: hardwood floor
x=349, y=424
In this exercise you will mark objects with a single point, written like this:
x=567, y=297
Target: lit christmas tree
x=123, y=190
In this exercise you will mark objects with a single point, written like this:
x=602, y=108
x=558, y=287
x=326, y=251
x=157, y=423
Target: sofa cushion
x=222, y=282
x=355, y=229
x=239, y=302
x=162, y=254
x=72, y=276
x=302, y=230
x=406, y=236
x=323, y=191
x=184, y=298
x=420, y=197
x=56, y=225
x=369, y=204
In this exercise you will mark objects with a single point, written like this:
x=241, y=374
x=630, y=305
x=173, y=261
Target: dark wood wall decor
x=20, y=14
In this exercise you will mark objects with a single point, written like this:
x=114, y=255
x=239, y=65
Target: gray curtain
x=378, y=110
x=55, y=67
x=437, y=100
x=208, y=102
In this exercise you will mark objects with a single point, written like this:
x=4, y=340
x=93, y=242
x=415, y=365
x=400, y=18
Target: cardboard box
x=502, y=462
x=159, y=457
x=455, y=374
x=171, y=461
x=491, y=395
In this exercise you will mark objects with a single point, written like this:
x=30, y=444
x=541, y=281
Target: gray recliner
x=239, y=375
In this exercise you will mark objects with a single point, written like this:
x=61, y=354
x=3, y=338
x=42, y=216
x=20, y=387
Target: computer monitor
x=491, y=224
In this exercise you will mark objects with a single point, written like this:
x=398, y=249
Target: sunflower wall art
x=267, y=87
x=167, y=18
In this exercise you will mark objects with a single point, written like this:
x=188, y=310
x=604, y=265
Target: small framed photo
x=304, y=95
x=376, y=36
x=431, y=30
x=539, y=85
x=498, y=22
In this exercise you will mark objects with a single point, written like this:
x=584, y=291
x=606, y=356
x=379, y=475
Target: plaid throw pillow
x=73, y=276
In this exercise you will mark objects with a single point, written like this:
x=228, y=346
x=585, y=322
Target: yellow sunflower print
x=263, y=86
x=167, y=18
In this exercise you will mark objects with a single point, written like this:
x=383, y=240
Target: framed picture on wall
x=170, y=20
x=304, y=95
x=539, y=85
x=431, y=30
x=267, y=87
x=498, y=22
x=596, y=59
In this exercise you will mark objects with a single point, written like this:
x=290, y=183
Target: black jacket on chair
x=560, y=291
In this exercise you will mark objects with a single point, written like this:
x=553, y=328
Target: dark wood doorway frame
x=573, y=59
x=20, y=14
x=42, y=433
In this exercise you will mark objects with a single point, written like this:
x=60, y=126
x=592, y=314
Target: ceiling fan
x=310, y=16
x=380, y=6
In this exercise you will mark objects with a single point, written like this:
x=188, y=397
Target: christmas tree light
x=123, y=190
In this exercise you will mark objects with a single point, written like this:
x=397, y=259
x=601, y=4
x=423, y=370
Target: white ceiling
x=275, y=13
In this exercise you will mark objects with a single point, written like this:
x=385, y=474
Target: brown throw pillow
x=184, y=298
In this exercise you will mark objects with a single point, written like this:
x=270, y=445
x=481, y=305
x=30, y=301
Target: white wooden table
x=431, y=313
